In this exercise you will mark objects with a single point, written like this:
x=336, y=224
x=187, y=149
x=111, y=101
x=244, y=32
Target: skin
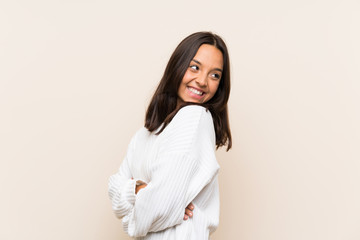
x=199, y=84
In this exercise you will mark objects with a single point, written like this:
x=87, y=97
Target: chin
x=193, y=101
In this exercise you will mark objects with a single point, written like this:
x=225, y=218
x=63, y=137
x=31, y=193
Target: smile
x=195, y=91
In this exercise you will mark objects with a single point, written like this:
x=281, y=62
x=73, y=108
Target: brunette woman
x=167, y=185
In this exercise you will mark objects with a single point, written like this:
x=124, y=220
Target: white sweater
x=180, y=167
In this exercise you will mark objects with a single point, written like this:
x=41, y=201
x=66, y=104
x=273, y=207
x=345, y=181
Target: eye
x=194, y=67
x=216, y=76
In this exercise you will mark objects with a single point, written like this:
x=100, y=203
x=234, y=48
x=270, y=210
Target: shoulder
x=192, y=115
x=192, y=125
x=191, y=109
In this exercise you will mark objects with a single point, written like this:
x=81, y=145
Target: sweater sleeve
x=121, y=187
x=185, y=164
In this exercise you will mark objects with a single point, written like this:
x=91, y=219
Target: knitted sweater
x=179, y=167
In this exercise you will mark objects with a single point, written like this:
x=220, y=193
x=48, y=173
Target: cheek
x=213, y=87
x=186, y=77
x=182, y=88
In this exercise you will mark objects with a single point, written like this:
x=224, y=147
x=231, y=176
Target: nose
x=201, y=80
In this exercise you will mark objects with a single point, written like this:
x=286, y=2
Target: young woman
x=167, y=186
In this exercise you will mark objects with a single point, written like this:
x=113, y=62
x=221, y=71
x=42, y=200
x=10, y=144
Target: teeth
x=195, y=91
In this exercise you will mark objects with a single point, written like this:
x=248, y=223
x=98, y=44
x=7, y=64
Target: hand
x=188, y=211
x=138, y=187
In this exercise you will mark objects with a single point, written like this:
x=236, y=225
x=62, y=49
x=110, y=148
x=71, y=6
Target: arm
x=184, y=166
x=121, y=186
x=188, y=210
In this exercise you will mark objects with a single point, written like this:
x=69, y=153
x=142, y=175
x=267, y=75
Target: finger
x=188, y=212
x=190, y=206
x=185, y=217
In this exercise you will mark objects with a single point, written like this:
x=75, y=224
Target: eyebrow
x=217, y=69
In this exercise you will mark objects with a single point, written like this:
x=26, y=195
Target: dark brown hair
x=163, y=105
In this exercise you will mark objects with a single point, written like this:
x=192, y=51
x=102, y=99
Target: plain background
x=76, y=78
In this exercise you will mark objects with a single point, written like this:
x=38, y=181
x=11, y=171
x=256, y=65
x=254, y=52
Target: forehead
x=210, y=56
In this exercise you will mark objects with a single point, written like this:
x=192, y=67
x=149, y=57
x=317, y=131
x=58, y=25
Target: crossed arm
x=188, y=210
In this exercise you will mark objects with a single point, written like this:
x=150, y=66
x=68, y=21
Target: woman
x=167, y=187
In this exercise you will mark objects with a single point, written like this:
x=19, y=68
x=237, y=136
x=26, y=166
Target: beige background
x=76, y=77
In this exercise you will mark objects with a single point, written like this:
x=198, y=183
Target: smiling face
x=202, y=78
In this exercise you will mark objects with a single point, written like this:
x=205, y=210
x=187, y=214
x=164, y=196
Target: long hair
x=163, y=105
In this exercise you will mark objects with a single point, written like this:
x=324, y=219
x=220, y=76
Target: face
x=202, y=78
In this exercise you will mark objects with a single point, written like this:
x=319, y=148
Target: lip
x=193, y=95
